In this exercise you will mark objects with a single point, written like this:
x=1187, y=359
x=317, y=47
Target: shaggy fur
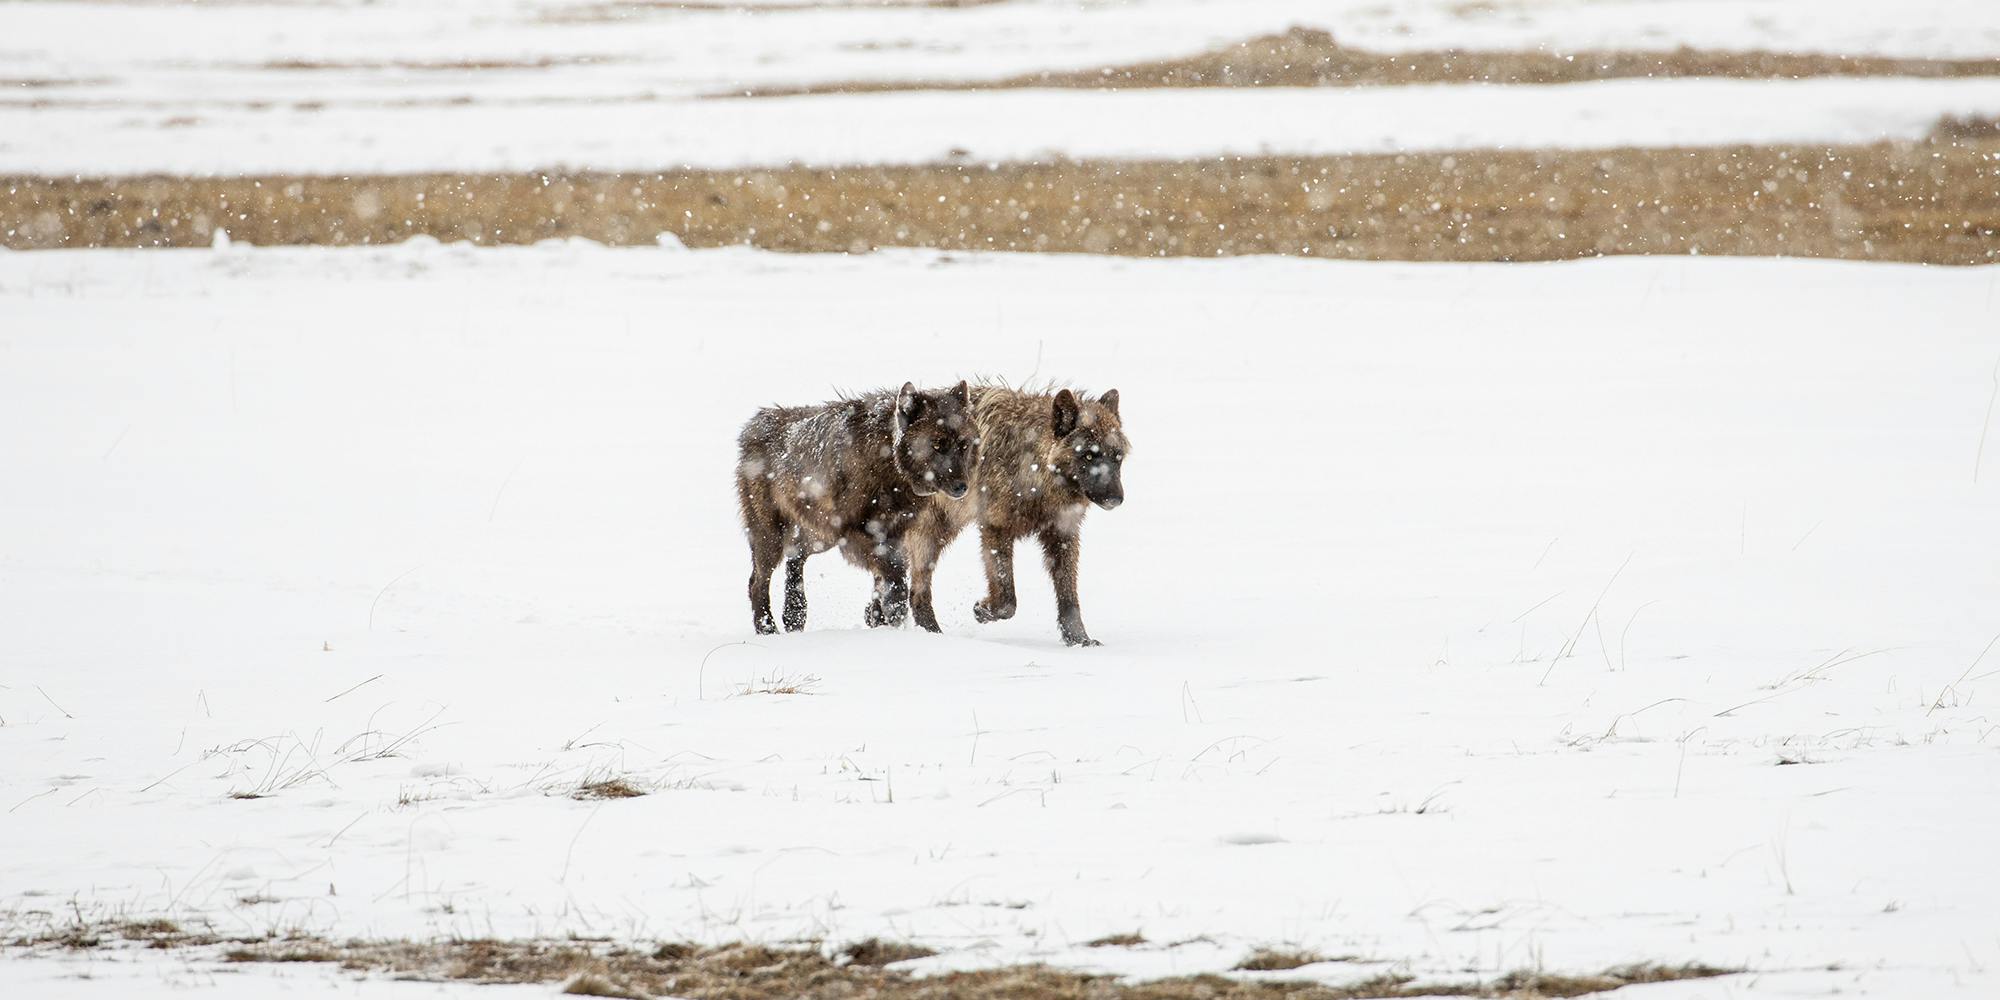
x=852, y=473
x=1043, y=460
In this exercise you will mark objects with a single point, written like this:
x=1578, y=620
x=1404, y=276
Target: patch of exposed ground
x=877, y=952
x=756, y=972
x=598, y=789
x=1129, y=939
x=1936, y=202
x=1278, y=960
x=1965, y=128
x=1306, y=57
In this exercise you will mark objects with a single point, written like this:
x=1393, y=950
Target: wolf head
x=935, y=442
x=1091, y=445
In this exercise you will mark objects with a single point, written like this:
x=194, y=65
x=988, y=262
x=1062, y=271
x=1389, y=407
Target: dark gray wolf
x=852, y=473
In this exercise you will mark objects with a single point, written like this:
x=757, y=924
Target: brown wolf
x=851, y=473
x=1043, y=460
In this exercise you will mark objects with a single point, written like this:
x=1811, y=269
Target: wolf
x=1044, y=459
x=852, y=473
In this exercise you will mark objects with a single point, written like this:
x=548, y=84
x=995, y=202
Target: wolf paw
x=983, y=612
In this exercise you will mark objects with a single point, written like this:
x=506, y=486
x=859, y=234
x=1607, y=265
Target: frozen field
x=1461, y=618
x=152, y=53
x=400, y=86
x=989, y=126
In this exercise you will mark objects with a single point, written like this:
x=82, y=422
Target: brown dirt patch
x=1955, y=128
x=1936, y=202
x=1306, y=57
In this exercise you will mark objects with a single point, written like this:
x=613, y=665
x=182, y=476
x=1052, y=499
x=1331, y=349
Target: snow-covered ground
x=126, y=51
x=414, y=540
x=137, y=973
x=398, y=85
x=988, y=126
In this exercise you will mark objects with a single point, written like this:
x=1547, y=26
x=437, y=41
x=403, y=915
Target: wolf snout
x=1110, y=503
x=955, y=490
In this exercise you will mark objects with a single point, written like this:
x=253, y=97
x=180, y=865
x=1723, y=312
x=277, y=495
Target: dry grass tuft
x=1307, y=57
x=1543, y=984
x=1130, y=939
x=1278, y=959
x=759, y=972
x=302, y=951
x=144, y=930
x=29, y=930
x=589, y=985
x=781, y=684
x=599, y=789
x=1931, y=202
x=157, y=933
x=407, y=798
x=877, y=952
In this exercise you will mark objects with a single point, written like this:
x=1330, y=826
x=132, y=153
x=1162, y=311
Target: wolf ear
x=1066, y=413
x=1109, y=401
x=909, y=402
x=963, y=392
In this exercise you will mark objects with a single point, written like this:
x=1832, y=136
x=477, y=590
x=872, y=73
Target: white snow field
x=1460, y=619
x=93, y=976
x=123, y=88
x=141, y=53
x=990, y=126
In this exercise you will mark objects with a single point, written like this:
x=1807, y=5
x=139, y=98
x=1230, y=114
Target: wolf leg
x=996, y=548
x=1059, y=553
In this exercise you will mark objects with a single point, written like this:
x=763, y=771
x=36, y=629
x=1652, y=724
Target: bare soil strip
x=1306, y=57
x=1934, y=202
x=757, y=972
